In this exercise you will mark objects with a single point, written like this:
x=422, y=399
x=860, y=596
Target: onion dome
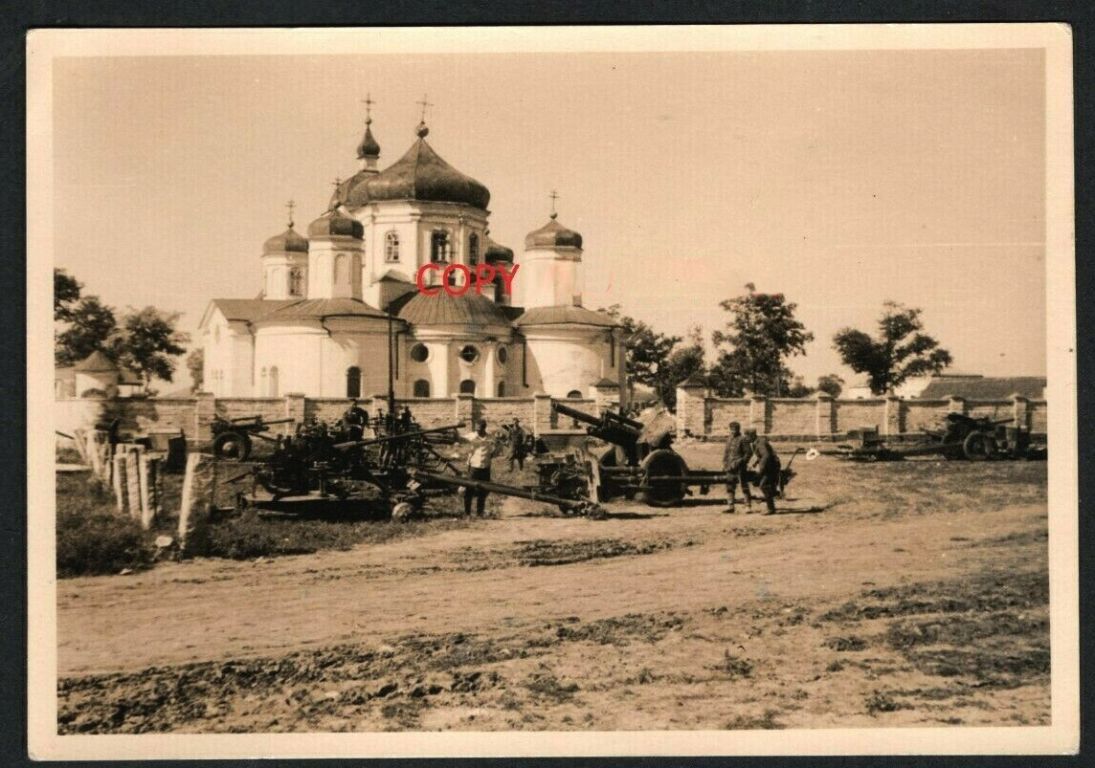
x=495, y=252
x=289, y=241
x=368, y=147
x=336, y=224
x=421, y=174
x=443, y=309
x=553, y=235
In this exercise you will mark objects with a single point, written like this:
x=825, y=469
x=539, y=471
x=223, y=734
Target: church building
x=339, y=303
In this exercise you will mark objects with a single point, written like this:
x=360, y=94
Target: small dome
x=421, y=174
x=289, y=241
x=368, y=147
x=335, y=224
x=352, y=192
x=553, y=235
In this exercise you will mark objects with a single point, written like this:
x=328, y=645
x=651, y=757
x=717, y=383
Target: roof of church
x=421, y=174
x=301, y=309
x=96, y=362
x=249, y=309
x=334, y=223
x=443, y=309
x=289, y=240
x=368, y=146
x=565, y=315
x=553, y=235
x=496, y=252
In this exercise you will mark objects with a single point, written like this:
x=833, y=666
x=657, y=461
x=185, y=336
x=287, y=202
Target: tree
x=760, y=333
x=799, y=388
x=655, y=360
x=900, y=351
x=830, y=384
x=195, y=363
x=147, y=341
x=89, y=326
x=66, y=292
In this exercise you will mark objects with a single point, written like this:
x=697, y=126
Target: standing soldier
x=355, y=420
x=485, y=449
x=767, y=471
x=516, y=441
x=735, y=460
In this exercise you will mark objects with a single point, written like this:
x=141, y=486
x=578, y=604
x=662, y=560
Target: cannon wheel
x=232, y=446
x=664, y=493
x=977, y=446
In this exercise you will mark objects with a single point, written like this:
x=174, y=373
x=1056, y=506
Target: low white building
x=331, y=300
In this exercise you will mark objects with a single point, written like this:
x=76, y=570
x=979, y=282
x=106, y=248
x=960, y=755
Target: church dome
x=496, y=252
x=335, y=224
x=421, y=174
x=368, y=146
x=352, y=193
x=443, y=309
x=553, y=235
x=288, y=241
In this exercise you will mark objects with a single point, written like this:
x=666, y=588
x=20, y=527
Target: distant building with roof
x=973, y=387
x=95, y=376
x=330, y=298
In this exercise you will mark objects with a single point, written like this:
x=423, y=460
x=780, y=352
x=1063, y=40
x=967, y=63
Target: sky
x=840, y=178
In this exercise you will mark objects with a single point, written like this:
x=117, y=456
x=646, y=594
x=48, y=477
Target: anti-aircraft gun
x=641, y=463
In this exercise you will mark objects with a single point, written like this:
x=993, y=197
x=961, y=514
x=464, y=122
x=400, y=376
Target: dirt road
x=916, y=596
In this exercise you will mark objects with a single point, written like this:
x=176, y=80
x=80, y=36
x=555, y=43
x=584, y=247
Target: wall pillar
x=825, y=412
x=542, y=416
x=205, y=408
x=691, y=409
x=758, y=414
x=1020, y=411
x=465, y=409
x=294, y=409
x=606, y=394
x=892, y=416
x=957, y=405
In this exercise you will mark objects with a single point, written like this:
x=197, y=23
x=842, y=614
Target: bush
x=92, y=542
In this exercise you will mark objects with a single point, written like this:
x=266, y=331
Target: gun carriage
x=962, y=437
x=232, y=437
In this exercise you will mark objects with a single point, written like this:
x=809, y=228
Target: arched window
x=353, y=381
x=296, y=282
x=467, y=387
x=342, y=269
x=501, y=389
x=420, y=353
x=473, y=249
x=422, y=388
x=440, y=248
x=502, y=354
x=574, y=394
x=273, y=382
x=391, y=246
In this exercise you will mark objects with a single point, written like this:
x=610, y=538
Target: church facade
x=339, y=305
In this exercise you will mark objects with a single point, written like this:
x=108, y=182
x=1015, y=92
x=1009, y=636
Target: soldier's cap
x=751, y=431
x=735, y=425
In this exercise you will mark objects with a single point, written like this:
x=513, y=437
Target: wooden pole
x=133, y=482
x=119, y=484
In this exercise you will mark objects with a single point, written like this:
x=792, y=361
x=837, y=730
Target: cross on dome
x=368, y=102
x=422, y=129
x=291, y=205
x=554, y=196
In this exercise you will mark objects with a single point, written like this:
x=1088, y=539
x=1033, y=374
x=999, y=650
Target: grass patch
x=92, y=538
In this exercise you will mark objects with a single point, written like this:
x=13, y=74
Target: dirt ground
x=912, y=593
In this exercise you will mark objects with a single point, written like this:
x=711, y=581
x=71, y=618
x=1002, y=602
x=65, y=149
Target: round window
x=503, y=355
x=469, y=354
x=420, y=353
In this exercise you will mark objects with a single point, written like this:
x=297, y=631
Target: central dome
x=421, y=174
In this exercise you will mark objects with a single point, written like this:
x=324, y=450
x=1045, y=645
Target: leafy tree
x=799, y=388
x=682, y=363
x=655, y=359
x=90, y=324
x=830, y=384
x=66, y=292
x=760, y=333
x=195, y=363
x=147, y=342
x=899, y=351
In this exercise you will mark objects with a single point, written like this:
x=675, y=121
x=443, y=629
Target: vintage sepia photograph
x=512, y=391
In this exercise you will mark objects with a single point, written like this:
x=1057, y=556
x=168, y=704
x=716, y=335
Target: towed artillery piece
x=232, y=437
x=962, y=437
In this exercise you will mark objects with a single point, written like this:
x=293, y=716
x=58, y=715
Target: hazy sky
x=841, y=178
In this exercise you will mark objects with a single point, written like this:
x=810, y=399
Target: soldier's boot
x=729, y=507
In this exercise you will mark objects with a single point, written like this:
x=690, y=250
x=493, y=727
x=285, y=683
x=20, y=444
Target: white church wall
x=548, y=278
x=367, y=351
x=568, y=360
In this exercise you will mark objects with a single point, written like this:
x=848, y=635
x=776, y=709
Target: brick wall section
x=1038, y=416
x=924, y=414
x=792, y=416
x=720, y=412
x=504, y=410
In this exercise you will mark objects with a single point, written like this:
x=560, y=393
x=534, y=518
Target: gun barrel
x=504, y=490
x=574, y=413
x=397, y=436
x=608, y=418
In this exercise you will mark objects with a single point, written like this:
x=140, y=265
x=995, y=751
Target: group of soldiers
x=747, y=458
x=513, y=441
x=356, y=420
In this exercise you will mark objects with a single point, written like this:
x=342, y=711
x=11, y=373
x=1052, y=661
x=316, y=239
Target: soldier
x=768, y=467
x=516, y=442
x=735, y=460
x=354, y=421
x=484, y=450
x=406, y=420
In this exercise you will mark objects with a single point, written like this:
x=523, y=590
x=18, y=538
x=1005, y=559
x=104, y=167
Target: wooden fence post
x=118, y=481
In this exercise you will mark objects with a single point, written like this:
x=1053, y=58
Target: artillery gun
x=232, y=437
x=962, y=437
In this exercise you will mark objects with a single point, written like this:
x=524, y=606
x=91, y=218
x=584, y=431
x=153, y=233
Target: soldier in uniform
x=735, y=460
x=354, y=421
x=516, y=442
x=485, y=448
x=768, y=466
